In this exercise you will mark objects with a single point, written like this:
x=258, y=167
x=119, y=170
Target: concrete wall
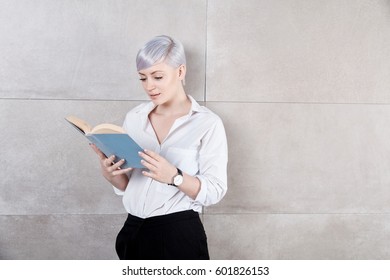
x=303, y=89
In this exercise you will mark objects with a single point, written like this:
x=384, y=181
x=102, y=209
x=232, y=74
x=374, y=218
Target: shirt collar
x=195, y=107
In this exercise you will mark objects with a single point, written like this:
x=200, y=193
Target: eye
x=158, y=78
x=142, y=79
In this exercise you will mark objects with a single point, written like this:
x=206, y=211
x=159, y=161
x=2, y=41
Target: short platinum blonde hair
x=161, y=49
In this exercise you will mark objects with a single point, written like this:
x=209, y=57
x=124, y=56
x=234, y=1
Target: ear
x=182, y=72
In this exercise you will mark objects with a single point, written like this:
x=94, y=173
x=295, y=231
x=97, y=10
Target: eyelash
x=156, y=78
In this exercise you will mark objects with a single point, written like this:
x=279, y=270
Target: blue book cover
x=120, y=145
x=111, y=140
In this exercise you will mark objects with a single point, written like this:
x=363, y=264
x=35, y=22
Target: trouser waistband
x=163, y=219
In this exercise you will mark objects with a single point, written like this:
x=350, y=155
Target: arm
x=112, y=172
x=213, y=159
x=163, y=171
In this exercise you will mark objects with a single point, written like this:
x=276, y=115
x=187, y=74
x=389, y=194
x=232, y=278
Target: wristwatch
x=177, y=179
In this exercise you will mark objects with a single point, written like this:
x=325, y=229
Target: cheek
x=171, y=83
x=144, y=86
x=162, y=85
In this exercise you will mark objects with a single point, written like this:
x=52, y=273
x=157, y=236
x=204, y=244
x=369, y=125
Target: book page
x=79, y=123
x=107, y=128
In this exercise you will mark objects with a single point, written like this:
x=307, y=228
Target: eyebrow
x=154, y=72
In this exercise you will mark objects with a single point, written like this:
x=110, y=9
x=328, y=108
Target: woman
x=185, y=161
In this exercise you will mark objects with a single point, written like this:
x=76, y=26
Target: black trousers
x=177, y=236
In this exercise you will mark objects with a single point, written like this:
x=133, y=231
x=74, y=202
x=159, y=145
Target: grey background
x=303, y=89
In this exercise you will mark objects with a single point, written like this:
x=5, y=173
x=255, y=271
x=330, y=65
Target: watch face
x=178, y=180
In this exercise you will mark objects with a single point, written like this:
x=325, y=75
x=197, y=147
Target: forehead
x=158, y=67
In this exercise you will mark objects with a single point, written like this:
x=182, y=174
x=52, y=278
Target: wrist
x=177, y=179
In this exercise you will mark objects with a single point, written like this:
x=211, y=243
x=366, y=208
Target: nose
x=149, y=84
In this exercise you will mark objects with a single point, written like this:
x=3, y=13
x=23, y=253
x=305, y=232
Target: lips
x=154, y=95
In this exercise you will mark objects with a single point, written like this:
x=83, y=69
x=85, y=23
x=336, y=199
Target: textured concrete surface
x=302, y=87
x=298, y=51
x=47, y=166
x=298, y=236
x=306, y=158
x=86, y=49
x=73, y=237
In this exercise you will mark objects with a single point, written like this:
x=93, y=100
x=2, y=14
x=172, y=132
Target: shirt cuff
x=201, y=197
x=118, y=191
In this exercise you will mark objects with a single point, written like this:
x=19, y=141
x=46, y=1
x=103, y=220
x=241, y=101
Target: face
x=162, y=82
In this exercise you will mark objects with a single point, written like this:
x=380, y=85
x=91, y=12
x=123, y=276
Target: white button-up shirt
x=196, y=144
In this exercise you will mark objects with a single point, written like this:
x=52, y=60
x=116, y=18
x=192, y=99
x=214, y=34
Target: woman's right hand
x=112, y=171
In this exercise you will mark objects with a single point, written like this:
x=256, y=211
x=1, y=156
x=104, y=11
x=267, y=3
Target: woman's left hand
x=159, y=168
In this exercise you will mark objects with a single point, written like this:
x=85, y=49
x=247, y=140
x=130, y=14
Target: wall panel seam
x=205, y=55
x=205, y=101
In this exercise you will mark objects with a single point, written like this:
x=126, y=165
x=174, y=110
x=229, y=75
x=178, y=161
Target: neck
x=178, y=105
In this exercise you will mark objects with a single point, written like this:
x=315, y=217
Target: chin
x=159, y=101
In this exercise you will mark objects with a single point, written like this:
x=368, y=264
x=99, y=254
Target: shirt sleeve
x=118, y=191
x=213, y=158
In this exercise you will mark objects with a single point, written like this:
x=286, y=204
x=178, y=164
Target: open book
x=111, y=140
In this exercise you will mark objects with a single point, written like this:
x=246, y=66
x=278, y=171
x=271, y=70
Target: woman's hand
x=111, y=171
x=159, y=168
x=163, y=171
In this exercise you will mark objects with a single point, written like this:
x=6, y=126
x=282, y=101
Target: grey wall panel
x=59, y=237
x=298, y=236
x=47, y=166
x=306, y=158
x=298, y=51
x=86, y=49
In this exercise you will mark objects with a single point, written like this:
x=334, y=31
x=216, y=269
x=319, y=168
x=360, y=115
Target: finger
x=148, y=158
x=97, y=151
x=153, y=155
x=116, y=165
x=149, y=174
x=121, y=171
x=149, y=166
x=109, y=161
